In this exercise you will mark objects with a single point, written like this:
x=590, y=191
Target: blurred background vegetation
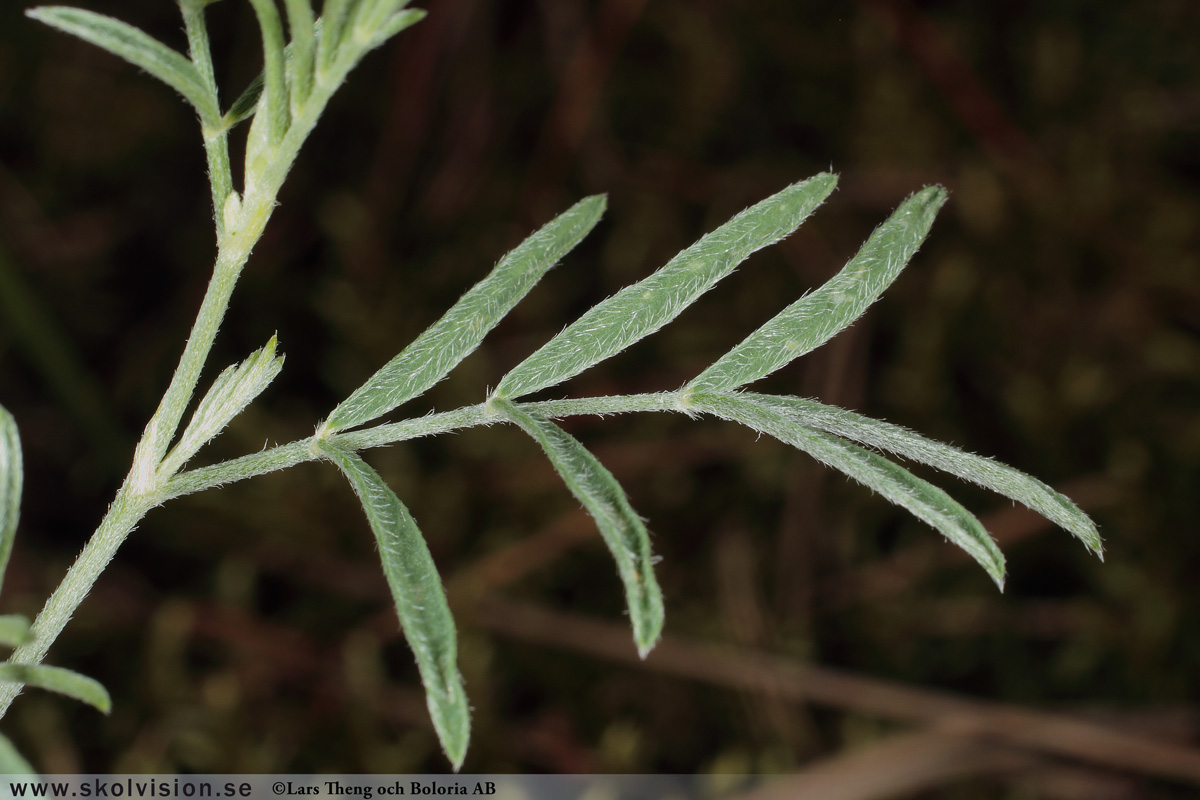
x=1052, y=321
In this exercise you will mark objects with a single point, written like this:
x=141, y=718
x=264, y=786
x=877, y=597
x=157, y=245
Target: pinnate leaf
x=816, y=318
x=452, y=338
x=641, y=309
x=922, y=499
x=56, y=679
x=419, y=597
x=620, y=526
x=138, y=48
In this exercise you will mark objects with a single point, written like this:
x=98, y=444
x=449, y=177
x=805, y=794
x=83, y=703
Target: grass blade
x=138, y=48
x=622, y=529
x=14, y=630
x=56, y=679
x=816, y=318
x=12, y=763
x=11, y=479
x=639, y=310
x=420, y=599
x=924, y=500
x=452, y=338
x=1000, y=478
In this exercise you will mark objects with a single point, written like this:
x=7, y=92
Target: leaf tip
x=830, y=178
x=647, y=629
x=597, y=201
x=455, y=735
x=1093, y=541
x=820, y=186
x=996, y=570
x=932, y=198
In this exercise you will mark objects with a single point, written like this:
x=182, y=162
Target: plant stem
x=240, y=221
x=127, y=509
x=236, y=236
x=216, y=136
x=135, y=498
x=299, y=452
x=142, y=488
x=162, y=426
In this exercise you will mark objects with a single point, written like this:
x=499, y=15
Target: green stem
x=301, y=451
x=127, y=509
x=216, y=140
x=142, y=489
x=240, y=232
x=131, y=505
x=161, y=429
x=240, y=222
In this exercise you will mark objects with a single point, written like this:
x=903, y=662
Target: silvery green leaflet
x=304, y=62
x=419, y=596
x=453, y=337
x=622, y=529
x=641, y=309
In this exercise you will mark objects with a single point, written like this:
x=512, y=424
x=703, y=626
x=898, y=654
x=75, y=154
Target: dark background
x=1052, y=321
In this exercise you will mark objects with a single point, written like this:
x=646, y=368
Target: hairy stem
x=162, y=426
x=132, y=502
x=298, y=452
x=127, y=509
x=240, y=221
x=142, y=488
x=216, y=140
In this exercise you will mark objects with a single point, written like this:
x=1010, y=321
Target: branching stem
x=240, y=222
